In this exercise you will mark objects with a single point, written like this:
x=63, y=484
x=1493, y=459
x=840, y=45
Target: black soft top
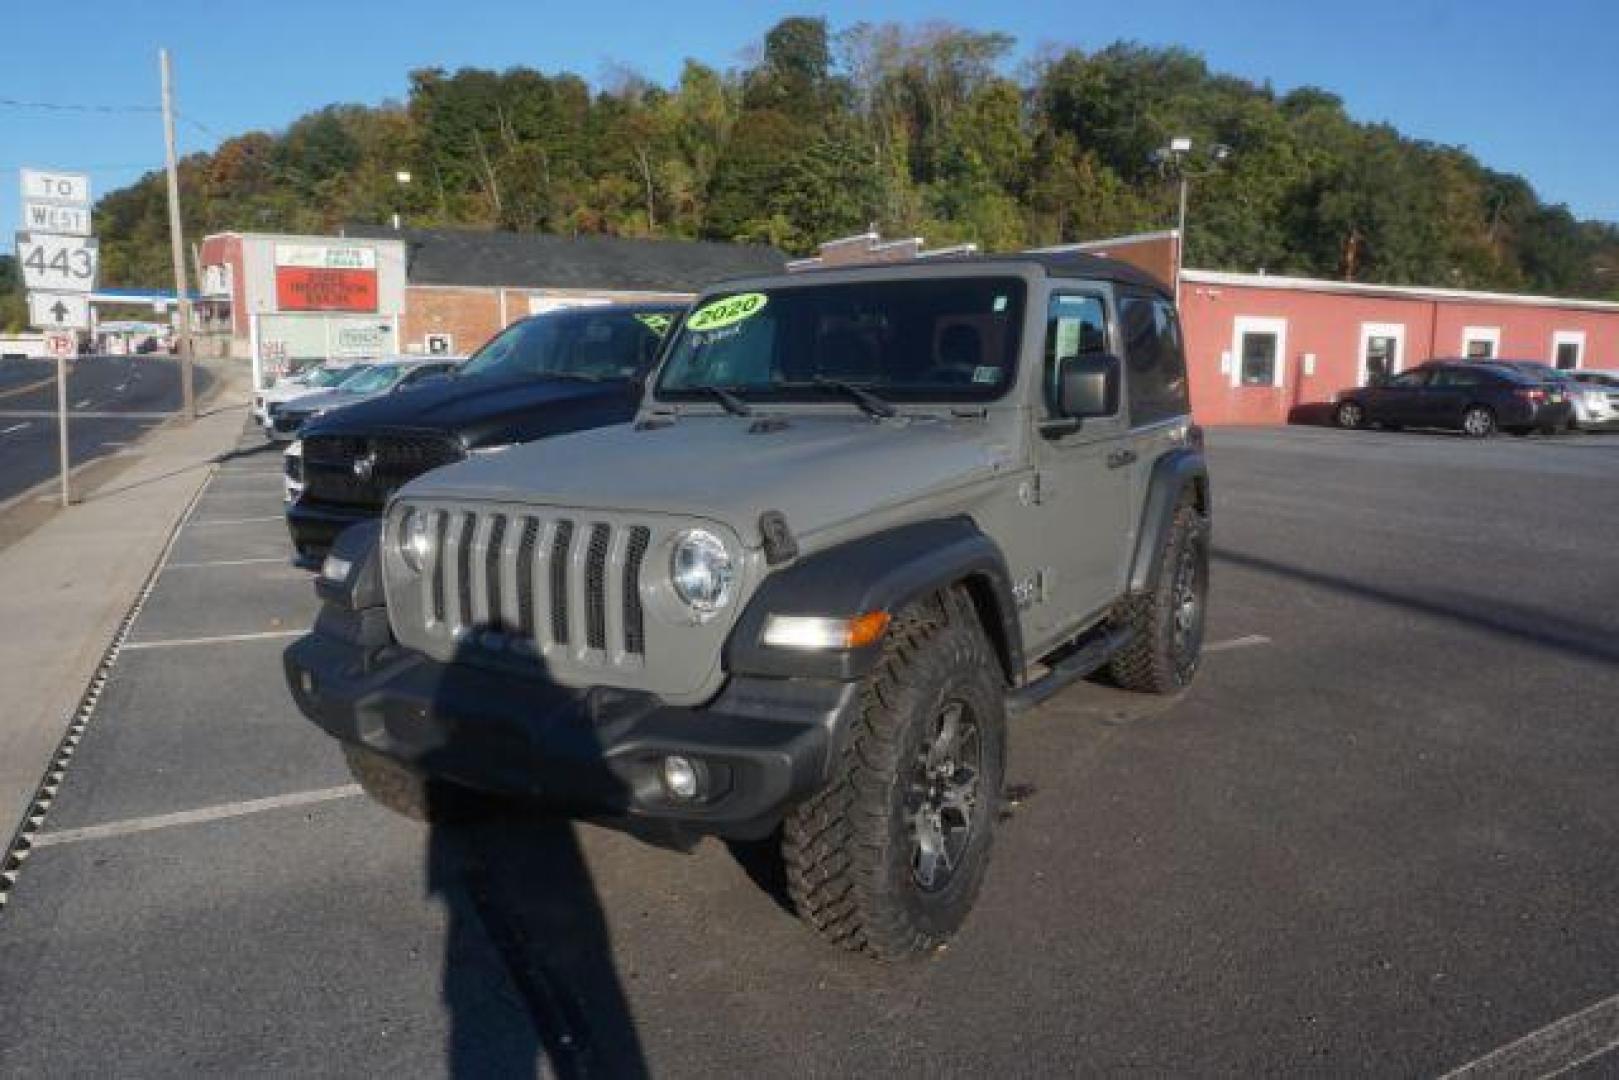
x=1056, y=264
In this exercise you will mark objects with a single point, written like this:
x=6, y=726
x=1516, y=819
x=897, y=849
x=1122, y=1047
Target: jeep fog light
x=415, y=540
x=336, y=568
x=815, y=632
x=701, y=571
x=680, y=777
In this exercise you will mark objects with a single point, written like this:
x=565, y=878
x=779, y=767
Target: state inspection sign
x=59, y=311
x=52, y=263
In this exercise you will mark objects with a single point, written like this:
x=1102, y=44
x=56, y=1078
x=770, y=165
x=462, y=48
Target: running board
x=1083, y=661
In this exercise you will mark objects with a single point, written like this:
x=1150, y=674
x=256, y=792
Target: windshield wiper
x=869, y=403
x=731, y=403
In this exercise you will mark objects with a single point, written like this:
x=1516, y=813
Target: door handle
x=1118, y=459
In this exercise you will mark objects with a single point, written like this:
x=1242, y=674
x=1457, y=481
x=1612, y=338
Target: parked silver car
x=1601, y=393
x=380, y=377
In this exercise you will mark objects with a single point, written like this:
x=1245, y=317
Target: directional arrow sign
x=59, y=311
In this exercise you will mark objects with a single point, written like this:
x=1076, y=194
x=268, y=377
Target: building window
x=1568, y=349
x=1382, y=352
x=1259, y=347
x=1481, y=342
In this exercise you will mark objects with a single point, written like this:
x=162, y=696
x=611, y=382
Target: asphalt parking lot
x=1377, y=836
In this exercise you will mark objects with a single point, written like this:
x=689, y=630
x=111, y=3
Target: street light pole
x=1176, y=154
x=177, y=243
x=1180, y=239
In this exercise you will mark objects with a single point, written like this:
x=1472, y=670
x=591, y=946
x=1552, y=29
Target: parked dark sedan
x=1476, y=399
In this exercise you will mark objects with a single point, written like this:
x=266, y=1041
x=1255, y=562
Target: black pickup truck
x=547, y=375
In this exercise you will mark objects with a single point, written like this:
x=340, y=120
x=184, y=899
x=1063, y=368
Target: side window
x=1409, y=380
x=1156, y=363
x=1456, y=377
x=1076, y=325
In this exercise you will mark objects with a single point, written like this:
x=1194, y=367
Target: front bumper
x=760, y=747
x=314, y=527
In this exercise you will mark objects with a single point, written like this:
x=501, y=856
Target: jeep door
x=1157, y=396
x=1082, y=489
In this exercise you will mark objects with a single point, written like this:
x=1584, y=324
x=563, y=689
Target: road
x=113, y=400
x=1377, y=836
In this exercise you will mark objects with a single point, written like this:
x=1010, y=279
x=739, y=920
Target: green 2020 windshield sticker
x=726, y=312
x=658, y=324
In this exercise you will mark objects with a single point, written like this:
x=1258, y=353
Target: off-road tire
x=849, y=850
x=1156, y=660
x=410, y=793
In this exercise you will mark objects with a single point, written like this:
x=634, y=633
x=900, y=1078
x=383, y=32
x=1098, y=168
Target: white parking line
x=13, y=427
x=217, y=639
x=1554, y=1049
x=223, y=562
x=233, y=521
x=1244, y=642
x=195, y=817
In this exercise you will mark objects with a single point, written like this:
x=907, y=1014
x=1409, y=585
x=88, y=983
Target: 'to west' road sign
x=53, y=218
x=52, y=263
x=70, y=189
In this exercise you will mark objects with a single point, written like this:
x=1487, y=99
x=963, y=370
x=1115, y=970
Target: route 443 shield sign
x=53, y=263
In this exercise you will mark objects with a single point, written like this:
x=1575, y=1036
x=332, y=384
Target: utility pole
x=177, y=243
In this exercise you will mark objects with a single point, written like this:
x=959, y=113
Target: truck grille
x=364, y=471
x=533, y=583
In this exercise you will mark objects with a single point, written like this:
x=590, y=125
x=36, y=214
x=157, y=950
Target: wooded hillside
x=918, y=130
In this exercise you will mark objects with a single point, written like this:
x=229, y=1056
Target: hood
x=819, y=470
x=489, y=411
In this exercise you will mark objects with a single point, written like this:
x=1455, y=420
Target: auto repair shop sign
x=325, y=277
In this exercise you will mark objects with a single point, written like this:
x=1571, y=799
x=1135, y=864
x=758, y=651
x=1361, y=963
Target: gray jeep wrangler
x=861, y=517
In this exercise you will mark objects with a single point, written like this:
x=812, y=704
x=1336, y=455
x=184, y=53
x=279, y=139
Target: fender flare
x=1171, y=475
x=882, y=572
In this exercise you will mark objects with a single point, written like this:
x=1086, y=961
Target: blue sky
x=1529, y=88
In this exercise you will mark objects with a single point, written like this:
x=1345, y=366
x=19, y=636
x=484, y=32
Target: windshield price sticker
x=726, y=312
x=658, y=324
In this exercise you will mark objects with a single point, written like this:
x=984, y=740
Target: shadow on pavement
x=526, y=927
x=525, y=920
x=1491, y=614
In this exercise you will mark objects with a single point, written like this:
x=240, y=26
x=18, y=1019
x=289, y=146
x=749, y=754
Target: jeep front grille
x=533, y=583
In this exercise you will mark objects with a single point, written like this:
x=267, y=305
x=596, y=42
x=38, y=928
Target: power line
x=58, y=106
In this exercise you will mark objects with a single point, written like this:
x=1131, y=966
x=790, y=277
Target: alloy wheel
x=943, y=799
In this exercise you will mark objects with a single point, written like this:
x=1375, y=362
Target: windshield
x=329, y=376
x=577, y=344
x=374, y=380
x=351, y=374
x=951, y=339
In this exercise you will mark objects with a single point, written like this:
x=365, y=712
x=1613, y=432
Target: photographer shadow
x=529, y=978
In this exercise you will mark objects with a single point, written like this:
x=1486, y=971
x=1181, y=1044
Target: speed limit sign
x=61, y=344
x=52, y=263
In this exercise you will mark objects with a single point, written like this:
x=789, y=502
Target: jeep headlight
x=701, y=571
x=414, y=539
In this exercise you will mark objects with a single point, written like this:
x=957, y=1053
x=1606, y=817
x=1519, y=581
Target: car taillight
x=1532, y=395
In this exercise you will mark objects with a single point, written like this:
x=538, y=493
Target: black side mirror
x=1088, y=386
